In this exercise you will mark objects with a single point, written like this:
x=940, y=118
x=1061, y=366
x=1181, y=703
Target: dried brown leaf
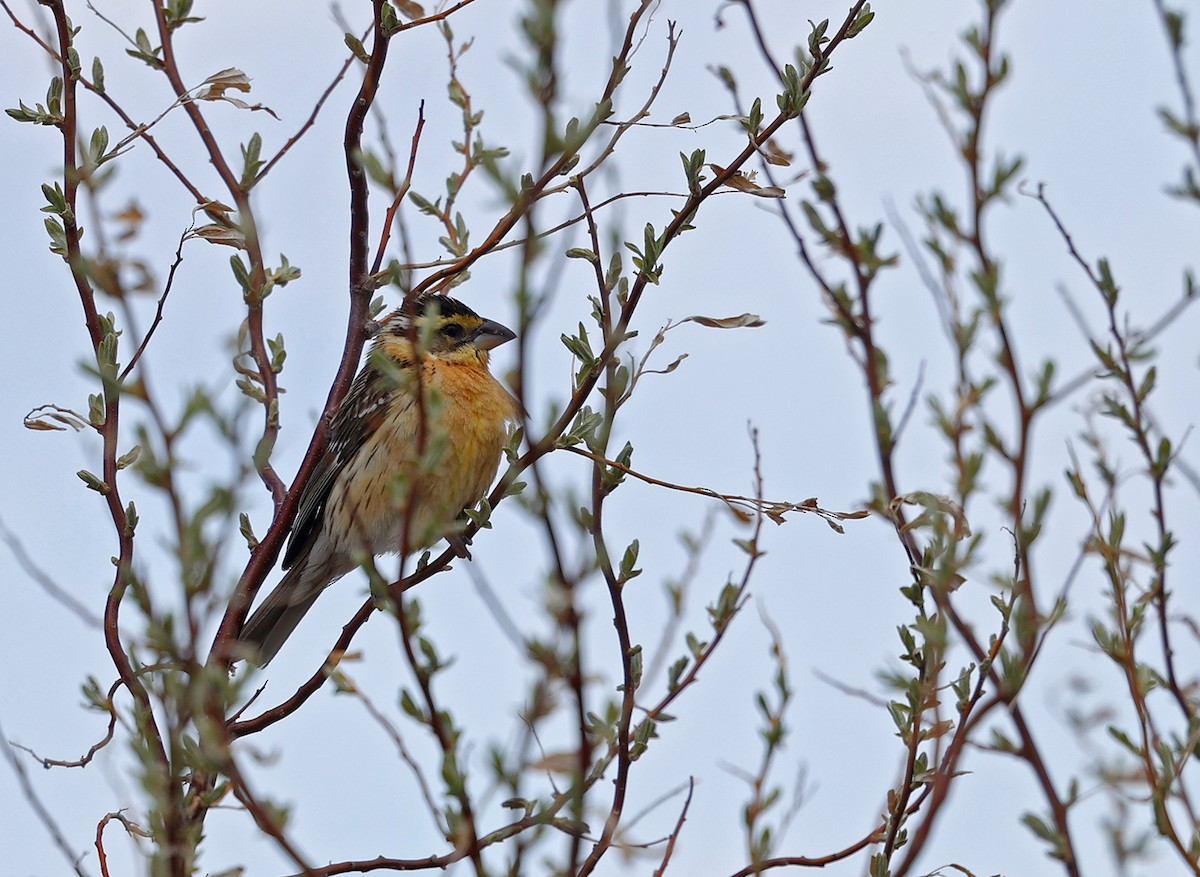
x=230, y=78
x=219, y=83
x=776, y=155
x=41, y=424
x=242, y=105
x=742, y=321
x=39, y=419
x=220, y=234
x=742, y=516
x=769, y=192
x=744, y=182
x=409, y=9
x=667, y=369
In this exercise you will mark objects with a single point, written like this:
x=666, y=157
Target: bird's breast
x=408, y=493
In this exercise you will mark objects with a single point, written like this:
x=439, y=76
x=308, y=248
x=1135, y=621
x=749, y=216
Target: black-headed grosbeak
x=386, y=477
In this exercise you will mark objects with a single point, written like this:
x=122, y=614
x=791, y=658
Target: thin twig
x=740, y=505
x=39, y=809
x=675, y=832
x=158, y=310
x=308, y=123
x=401, y=191
x=86, y=758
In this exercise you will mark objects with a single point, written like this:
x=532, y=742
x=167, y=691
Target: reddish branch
x=148, y=724
x=263, y=558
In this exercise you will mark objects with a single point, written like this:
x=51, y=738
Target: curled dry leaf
x=775, y=154
x=778, y=511
x=39, y=419
x=230, y=78
x=41, y=424
x=219, y=83
x=216, y=210
x=744, y=182
x=409, y=9
x=742, y=516
x=213, y=206
x=242, y=105
x=666, y=370
x=742, y=321
x=220, y=234
x=682, y=119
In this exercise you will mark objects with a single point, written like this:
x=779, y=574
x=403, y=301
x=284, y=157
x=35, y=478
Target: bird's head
x=443, y=328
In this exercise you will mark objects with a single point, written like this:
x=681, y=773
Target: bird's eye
x=452, y=330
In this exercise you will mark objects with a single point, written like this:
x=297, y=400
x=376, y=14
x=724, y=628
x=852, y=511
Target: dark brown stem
x=628, y=682
x=110, y=431
x=263, y=558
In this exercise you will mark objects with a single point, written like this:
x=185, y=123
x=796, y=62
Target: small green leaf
x=130, y=458
x=354, y=44
x=93, y=482
x=247, y=531
x=628, y=561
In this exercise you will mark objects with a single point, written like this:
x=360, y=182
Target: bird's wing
x=360, y=414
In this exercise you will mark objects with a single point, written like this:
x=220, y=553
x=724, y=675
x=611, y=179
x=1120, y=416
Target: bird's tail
x=269, y=626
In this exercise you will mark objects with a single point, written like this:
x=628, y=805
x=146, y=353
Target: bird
x=417, y=439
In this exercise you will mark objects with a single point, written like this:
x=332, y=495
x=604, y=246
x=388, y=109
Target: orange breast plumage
x=408, y=496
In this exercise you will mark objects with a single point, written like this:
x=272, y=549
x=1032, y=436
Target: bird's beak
x=491, y=334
